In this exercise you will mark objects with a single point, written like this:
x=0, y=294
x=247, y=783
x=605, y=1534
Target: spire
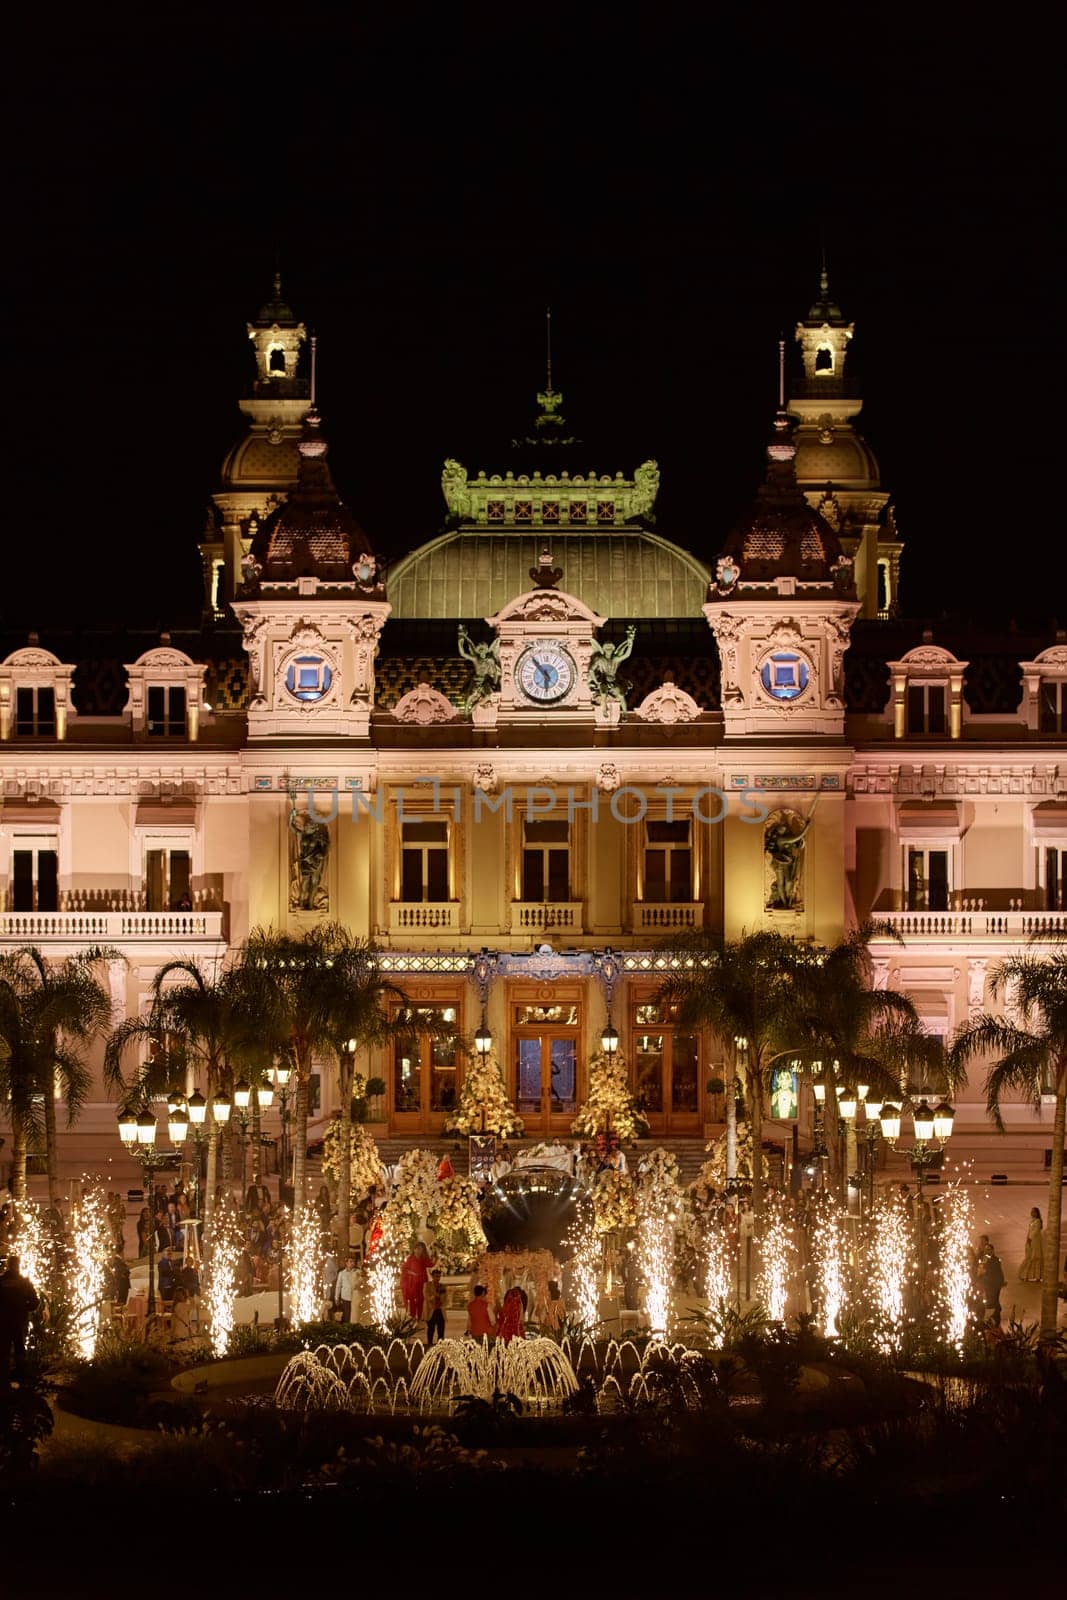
x=314, y=353
x=548, y=349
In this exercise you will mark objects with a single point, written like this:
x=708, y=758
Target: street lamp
x=483, y=1039
x=279, y=1076
x=197, y=1109
x=933, y=1129
x=138, y=1134
x=609, y=1040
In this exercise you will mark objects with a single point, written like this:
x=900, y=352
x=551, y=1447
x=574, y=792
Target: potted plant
x=714, y=1105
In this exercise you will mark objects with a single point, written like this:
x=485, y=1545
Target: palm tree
x=1031, y=1057
x=50, y=1013
x=204, y=1021
x=744, y=991
x=298, y=991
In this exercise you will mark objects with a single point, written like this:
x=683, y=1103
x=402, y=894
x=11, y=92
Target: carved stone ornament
x=607, y=713
x=485, y=777
x=424, y=706
x=486, y=713
x=608, y=777
x=365, y=572
x=976, y=971
x=727, y=573
x=668, y=705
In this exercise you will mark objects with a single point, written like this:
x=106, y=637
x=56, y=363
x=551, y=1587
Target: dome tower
x=261, y=468
x=835, y=466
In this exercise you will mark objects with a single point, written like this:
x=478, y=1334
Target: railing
x=980, y=924
x=530, y=916
x=423, y=916
x=667, y=916
x=106, y=927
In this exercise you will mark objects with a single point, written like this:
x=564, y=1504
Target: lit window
x=785, y=675
x=308, y=678
x=668, y=862
x=928, y=886
x=546, y=861
x=35, y=712
x=166, y=711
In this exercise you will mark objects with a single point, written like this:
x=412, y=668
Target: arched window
x=277, y=360
x=824, y=359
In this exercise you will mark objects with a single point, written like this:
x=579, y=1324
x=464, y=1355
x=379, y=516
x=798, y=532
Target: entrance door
x=425, y=1076
x=545, y=1058
x=667, y=1072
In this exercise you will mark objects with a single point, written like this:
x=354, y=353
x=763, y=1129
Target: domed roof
x=313, y=534
x=782, y=537
x=475, y=572
x=276, y=310
x=836, y=455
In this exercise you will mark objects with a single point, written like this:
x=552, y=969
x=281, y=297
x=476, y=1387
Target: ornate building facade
x=546, y=741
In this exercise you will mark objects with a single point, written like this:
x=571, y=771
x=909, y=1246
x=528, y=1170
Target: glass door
x=546, y=1064
x=425, y=1076
x=667, y=1072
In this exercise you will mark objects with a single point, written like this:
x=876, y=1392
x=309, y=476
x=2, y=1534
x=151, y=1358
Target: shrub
x=116, y=1388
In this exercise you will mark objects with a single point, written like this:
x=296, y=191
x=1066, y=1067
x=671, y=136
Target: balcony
x=667, y=916
x=424, y=916
x=109, y=927
x=1000, y=925
x=544, y=916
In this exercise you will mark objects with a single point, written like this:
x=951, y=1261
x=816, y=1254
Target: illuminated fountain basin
x=411, y=1379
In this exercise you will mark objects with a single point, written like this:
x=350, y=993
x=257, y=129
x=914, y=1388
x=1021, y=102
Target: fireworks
x=718, y=1277
x=889, y=1265
x=92, y=1246
x=655, y=1255
x=829, y=1253
x=305, y=1268
x=955, y=1285
x=585, y=1275
x=776, y=1253
x=30, y=1242
x=383, y=1274
x=227, y=1242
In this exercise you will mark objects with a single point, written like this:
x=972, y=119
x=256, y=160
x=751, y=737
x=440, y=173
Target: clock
x=545, y=672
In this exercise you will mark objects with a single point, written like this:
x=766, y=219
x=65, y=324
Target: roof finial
x=824, y=277
x=548, y=349
x=781, y=374
x=314, y=347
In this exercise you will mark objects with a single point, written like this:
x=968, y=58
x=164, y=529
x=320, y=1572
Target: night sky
x=432, y=178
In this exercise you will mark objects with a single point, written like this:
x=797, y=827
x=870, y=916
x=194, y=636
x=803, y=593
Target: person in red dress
x=413, y=1275
x=445, y=1169
x=509, y=1322
x=479, y=1317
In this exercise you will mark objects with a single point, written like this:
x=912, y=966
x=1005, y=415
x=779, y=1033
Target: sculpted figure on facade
x=604, y=664
x=784, y=841
x=454, y=488
x=485, y=659
x=645, y=490
x=309, y=849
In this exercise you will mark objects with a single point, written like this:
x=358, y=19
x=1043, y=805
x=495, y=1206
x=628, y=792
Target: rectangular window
x=1055, y=878
x=546, y=861
x=1051, y=701
x=166, y=711
x=168, y=879
x=426, y=1068
x=424, y=861
x=35, y=712
x=928, y=886
x=926, y=708
x=668, y=862
x=34, y=877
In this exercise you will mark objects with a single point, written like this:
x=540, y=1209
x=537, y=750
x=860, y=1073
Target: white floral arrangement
x=414, y=1194
x=367, y=1169
x=610, y=1105
x=713, y=1172
x=658, y=1174
x=614, y=1201
x=484, y=1106
x=458, y=1235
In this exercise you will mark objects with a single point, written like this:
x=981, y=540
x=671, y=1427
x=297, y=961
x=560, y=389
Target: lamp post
x=279, y=1076
x=481, y=1150
x=933, y=1129
x=196, y=1106
x=818, y=1153
x=242, y=1101
x=138, y=1133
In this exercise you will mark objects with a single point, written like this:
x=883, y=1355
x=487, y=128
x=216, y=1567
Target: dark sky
x=433, y=176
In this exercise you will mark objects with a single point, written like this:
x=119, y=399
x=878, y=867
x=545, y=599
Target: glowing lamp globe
x=282, y=1074
x=146, y=1128
x=609, y=1040
x=175, y=1098
x=862, y=1091
x=197, y=1108
x=265, y=1096
x=242, y=1095
x=483, y=1041
x=220, y=1108
x=924, y=1122
x=944, y=1117
x=890, y=1120
x=847, y=1103
x=818, y=1089
x=177, y=1126
x=128, y=1127
x=873, y=1109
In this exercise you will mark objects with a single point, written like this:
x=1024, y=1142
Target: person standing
x=18, y=1301
x=1032, y=1268
x=344, y=1288
x=434, y=1307
x=990, y=1277
x=509, y=1322
x=413, y=1275
x=479, y=1317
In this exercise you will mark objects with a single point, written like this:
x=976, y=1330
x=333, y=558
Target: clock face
x=545, y=672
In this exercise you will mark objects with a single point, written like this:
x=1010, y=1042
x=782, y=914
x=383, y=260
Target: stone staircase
x=689, y=1153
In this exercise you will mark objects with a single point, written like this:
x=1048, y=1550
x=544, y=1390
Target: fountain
x=536, y=1370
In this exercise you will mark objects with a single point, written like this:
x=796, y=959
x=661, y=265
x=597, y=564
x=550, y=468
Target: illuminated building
x=564, y=829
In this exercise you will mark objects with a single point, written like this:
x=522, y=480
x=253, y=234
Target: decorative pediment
x=546, y=605
x=668, y=705
x=424, y=706
x=928, y=655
